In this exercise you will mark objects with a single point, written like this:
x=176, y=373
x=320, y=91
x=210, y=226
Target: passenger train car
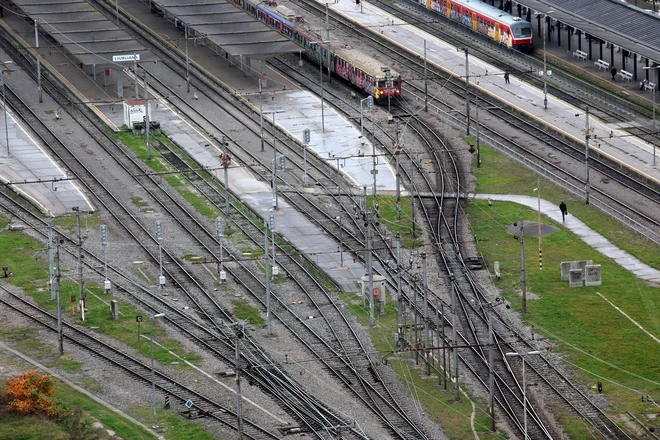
x=358, y=69
x=481, y=17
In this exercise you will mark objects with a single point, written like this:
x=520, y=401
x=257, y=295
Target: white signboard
x=121, y=58
x=134, y=112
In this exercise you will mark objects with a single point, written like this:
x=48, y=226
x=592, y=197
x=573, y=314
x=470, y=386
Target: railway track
x=209, y=332
x=132, y=366
x=643, y=221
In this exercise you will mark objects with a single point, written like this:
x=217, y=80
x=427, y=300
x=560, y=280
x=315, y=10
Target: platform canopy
x=228, y=27
x=85, y=33
x=613, y=21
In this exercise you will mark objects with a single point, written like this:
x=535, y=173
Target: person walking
x=506, y=77
x=564, y=211
x=613, y=72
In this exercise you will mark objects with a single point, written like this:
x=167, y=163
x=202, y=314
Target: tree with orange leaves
x=31, y=393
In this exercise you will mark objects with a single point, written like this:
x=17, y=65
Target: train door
x=449, y=8
x=474, y=20
x=497, y=31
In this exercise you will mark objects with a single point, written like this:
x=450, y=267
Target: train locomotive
x=506, y=29
x=354, y=67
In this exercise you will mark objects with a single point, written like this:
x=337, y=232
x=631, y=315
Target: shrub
x=31, y=393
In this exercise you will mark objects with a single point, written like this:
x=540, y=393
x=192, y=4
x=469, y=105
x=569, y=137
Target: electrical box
x=161, y=281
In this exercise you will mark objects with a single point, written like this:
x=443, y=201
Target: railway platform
x=612, y=139
x=29, y=169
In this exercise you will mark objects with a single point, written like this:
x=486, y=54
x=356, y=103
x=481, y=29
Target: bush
x=31, y=393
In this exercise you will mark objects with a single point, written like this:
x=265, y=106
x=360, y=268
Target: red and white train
x=358, y=69
x=481, y=17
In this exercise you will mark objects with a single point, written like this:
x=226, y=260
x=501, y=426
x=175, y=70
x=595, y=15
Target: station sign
x=121, y=58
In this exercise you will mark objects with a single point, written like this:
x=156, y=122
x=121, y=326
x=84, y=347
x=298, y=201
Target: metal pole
x=117, y=11
x=374, y=171
x=188, y=63
x=545, y=70
x=227, y=197
x=370, y=273
x=523, y=275
x=415, y=326
x=80, y=266
x=538, y=189
x=329, y=63
x=426, y=315
x=305, y=164
x=58, y=277
x=426, y=83
x=341, y=244
x=239, y=399
x=388, y=84
x=261, y=116
x=275, y=201
x=219, y=227
x=491, y=368
x=657, y=75
x=477, y=116
x=398, y=286
x=397, y=153
x=267, y=264
x=586, y=156
x=4, y=105
x=467, y=91
x=36, y=46
x=51, y=262
x=153, y=371
x=454, y=336
x=321, y=86
x=524, y=398
x=137, y=94
x=146, y=112
x=362, y=120
x=444, y=354
x=327, y=23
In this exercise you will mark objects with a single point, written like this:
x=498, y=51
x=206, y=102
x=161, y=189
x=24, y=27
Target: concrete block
x=114, y=309
x=566, y=267
x=593, y=276
x=582, y=265
x=575, y=279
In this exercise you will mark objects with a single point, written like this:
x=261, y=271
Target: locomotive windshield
x=383, y=83
x=522, y=30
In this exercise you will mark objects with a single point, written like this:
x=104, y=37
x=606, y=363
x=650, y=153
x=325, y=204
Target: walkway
x=588, y=235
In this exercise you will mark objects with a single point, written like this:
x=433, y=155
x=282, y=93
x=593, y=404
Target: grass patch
x=93, y=385
x=140, y=203
x=29, y=260
x=68, y=364
x=243, y=310
x=87, y=221
x=577, y=316
x=404, y=226
x=193, y=258
x=173, y=425
x=500, y=175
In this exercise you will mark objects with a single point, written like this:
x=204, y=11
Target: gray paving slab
x=591, y=237
x=28, y=161
x=629, y=150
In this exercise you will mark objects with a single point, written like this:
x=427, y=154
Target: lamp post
x=153, y=372
x=545, y=70
x=655, y=85
x=341, y=242
x=4, y=102
x=523, y=356
x=321, y=81
x=274, y=170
